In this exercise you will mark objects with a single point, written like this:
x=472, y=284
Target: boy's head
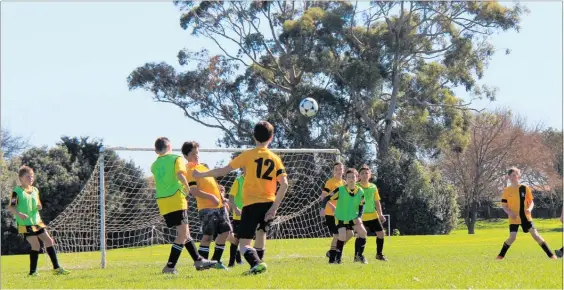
x=351, y=177
x=263, y=132
x=191, y=151
x=26, y=175
x=162, y=145
x=514, y=174
x=338, y=169
x=365, y=173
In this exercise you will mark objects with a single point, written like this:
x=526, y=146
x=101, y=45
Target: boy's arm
x=378, y=203
x=214, y=172
x=233, y=191
x=505, y=207
x=12, y=206
x=283, y=180
x=181, y=174
x=233, y=205
x=360, y=210
x=193, y=187
x=39, y=204
x=333, y=195
x=361, y=206
x=237, y=162
x=379, y=209
x=326, y=192
x=195, y=191
x=182, y=178
x=529, y=198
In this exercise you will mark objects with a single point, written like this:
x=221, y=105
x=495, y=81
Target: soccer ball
x=309, y=107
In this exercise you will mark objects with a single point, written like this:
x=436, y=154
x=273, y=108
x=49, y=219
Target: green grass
x=457, y=260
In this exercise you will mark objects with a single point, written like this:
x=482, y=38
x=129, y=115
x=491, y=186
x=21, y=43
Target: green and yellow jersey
x=26, y=202
x=170, y=192
x=237, y=192
x=371, y=196
x=348, y=207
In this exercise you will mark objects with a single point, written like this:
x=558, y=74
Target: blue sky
x=64, y=69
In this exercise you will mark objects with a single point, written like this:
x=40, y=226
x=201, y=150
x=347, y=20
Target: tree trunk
x=471, y=217
x=384, y=141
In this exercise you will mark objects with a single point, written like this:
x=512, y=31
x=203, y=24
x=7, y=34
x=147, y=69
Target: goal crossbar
x=224, y=150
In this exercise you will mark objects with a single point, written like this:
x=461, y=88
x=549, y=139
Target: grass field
x=457, y=260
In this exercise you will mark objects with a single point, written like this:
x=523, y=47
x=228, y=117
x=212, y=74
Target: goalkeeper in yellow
x=348, y=213
x=169, y=173
x=372, y=217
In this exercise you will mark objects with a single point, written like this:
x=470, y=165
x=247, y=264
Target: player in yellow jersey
x=372, y=216
x=25, y=206
x=236, y=204
x=261, y=200
x=517, y=202
x=330, y=185
x=214, y=217
x=169, y=173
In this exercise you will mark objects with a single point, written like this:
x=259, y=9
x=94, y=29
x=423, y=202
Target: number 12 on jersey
x=269, y=164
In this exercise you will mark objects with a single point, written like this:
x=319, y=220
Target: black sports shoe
x=360, y=259
x=381, y=257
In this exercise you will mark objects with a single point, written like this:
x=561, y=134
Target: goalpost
x=117, y=209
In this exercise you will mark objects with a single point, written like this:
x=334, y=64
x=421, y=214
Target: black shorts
x=215, y=221
x=31, y=233
x=373, y=226
x=252, y=216
x=526, y=226
x=236, y=224
x=331, y=225
x=176, y=218
x=347, y=225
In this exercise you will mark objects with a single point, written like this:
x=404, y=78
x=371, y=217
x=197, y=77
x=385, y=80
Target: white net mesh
x=132, y=218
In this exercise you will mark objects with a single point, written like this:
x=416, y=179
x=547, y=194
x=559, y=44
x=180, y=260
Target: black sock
x=340, y=246
x=332, y=256
x=191, y=247
x=251, y=257
x=204, y=251
x=260, y=253
x=379, y=246
x=33, y=257
x=359, y=244
x=238, y=256
x=175, y=252
x=548, y=252
x=53, y=256
x=218, y=252
x=232, y=254
x=504, y=249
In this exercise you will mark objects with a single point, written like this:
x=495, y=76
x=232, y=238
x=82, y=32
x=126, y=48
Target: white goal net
x=129, y=216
